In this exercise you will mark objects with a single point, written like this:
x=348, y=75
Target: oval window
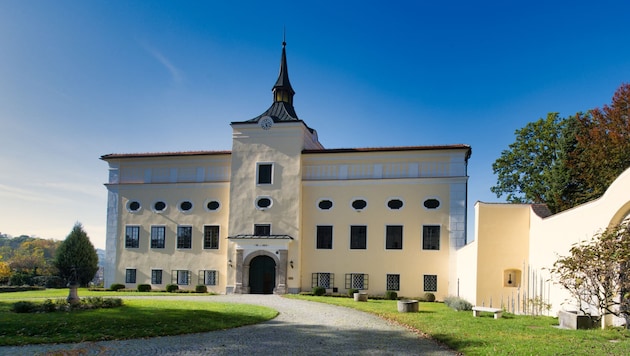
x=263, y=203
x=185, y=206
x=159, y=206
x=134, y=206
x=395, y=204
x=359, y=204
x=431, y=203
x=325, y=204
x=213, y=205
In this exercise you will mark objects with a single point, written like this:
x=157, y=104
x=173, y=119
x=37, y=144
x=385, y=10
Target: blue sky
x=79, y=79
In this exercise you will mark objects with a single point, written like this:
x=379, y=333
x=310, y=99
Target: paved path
x=301, y=328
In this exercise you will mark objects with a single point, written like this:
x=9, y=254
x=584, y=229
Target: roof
x=163, y=154
x=325, y=151
x=390, y=149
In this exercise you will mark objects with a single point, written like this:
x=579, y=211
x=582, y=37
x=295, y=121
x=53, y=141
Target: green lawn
x=511, y=335
x=138, y=318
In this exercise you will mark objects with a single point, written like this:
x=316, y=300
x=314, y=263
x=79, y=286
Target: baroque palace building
x=280, y=213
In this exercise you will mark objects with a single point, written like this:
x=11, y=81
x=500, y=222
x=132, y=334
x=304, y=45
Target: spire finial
x=284, y=36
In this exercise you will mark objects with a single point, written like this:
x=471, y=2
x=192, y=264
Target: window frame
x=392, y=280
x=184, y=242
x=350, y=281
x=203, y=277
x=316, y=279
x=157, y=241
x=268, y=175
x=427, y=240
x=175, y=277
x=430, y=279
x=324, y=239
x=260, y=226
x=157, y=278
x=132, y=241
x=391, y=236
x=131, y=275
x=354, y=243
x=211, y=242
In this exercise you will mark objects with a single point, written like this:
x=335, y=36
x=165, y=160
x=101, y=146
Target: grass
x=138, y=318
x=510, y=335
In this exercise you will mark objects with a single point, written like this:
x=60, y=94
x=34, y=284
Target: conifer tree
x=76, y=257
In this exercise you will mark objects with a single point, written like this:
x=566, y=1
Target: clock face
x=266, y=123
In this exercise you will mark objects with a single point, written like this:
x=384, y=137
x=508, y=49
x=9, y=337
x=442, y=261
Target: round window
x=213, y=205
x=359, y=204
x=134, y=206
x=159, y=206
x=431, y=203
x=263, y=203
x=395, y=204
x=325, y=204
x=185, y=206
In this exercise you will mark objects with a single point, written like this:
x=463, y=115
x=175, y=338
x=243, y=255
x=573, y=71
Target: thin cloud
x=176, y=74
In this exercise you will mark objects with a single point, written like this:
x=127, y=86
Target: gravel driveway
x=301, y=328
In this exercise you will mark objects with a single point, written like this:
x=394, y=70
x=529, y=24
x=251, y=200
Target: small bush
x=429, y=297
x=457, y=303
x=144, y=287
x=116, y=287
x=172, y=288
x=200, y=288
x=319, y=290
x=391, y=295
x=351, y=292
x=24, y=307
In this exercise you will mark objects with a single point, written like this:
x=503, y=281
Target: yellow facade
x=290, y=214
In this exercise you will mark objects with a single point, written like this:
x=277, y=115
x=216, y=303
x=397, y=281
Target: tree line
x=26, y=260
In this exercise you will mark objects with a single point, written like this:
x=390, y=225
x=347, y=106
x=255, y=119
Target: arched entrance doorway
x=262, y=275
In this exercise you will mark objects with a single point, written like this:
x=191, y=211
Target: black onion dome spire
x=282, y=107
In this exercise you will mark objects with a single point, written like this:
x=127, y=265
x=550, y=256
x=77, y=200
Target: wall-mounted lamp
x=510, y=278
x=230, y=263
x=291, y=263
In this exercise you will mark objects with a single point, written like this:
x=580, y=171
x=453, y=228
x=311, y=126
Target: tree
x=566, y=162
x=526, y=170
x=76, y=254
x=596, y=273
x=603, y=146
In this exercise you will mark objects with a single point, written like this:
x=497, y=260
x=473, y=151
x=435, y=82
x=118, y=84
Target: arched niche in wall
x=512, y=278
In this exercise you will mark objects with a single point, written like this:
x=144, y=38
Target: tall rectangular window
x=265, y=173
x=326, y=280
x=132, y=236
x=156, y=276
x=158, y=236
x=130, y=275
x=262, y=229
x=184, y=237
x=180, y=277
x=394, y=237
x=431, y=237
x=356, y=281
x=430, y=283
x=393, y=282
x=358, y=237
x=324, y=237
x=208, y=277
x=211, y=237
